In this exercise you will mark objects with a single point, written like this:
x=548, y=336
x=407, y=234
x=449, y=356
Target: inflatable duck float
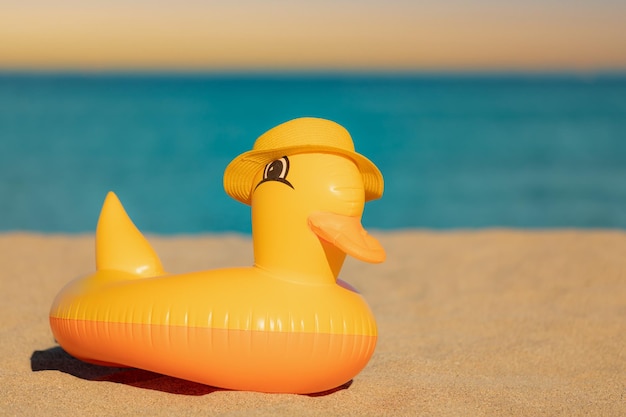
x=285, y=324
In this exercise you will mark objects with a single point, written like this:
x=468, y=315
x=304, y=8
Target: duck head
x=307, y=189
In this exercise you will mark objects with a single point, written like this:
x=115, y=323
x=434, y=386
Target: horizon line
x=321, y=72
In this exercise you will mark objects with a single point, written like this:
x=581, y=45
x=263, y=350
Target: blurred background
x=478, y=113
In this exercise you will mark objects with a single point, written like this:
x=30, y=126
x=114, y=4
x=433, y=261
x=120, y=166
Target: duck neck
x=291, y=251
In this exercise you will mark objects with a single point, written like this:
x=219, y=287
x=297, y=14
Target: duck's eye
x=276, y=170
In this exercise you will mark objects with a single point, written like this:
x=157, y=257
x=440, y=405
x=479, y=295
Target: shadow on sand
x=56, y=359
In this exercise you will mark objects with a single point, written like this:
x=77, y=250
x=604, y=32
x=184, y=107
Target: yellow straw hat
x=302, y=135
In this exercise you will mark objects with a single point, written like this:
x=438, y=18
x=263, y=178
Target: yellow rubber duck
x=285, y=324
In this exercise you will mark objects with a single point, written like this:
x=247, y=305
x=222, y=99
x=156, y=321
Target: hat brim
x=239, y=174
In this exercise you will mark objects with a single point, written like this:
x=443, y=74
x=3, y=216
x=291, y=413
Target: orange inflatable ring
x=285, y=324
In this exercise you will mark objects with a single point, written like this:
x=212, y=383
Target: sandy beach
x=471, y=323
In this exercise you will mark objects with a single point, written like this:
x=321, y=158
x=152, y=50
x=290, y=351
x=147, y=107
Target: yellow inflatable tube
x=286, y=324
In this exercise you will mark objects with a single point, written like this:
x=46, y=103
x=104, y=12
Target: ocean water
x=456, y=151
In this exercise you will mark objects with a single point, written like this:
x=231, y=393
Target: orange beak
x=347, y=234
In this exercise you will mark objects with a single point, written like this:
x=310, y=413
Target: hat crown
x=305, y=131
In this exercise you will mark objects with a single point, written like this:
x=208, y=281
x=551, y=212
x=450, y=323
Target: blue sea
x=456, y=150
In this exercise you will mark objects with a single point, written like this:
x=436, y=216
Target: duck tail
x=120, y=246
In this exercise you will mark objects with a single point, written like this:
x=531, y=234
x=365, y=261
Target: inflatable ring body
x=286, y=324
x=238, y=328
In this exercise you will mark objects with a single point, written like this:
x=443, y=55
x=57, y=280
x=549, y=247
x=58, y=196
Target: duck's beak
x=347, y=234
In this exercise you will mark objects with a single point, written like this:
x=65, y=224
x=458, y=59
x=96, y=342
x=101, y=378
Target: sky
x=395, y=35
